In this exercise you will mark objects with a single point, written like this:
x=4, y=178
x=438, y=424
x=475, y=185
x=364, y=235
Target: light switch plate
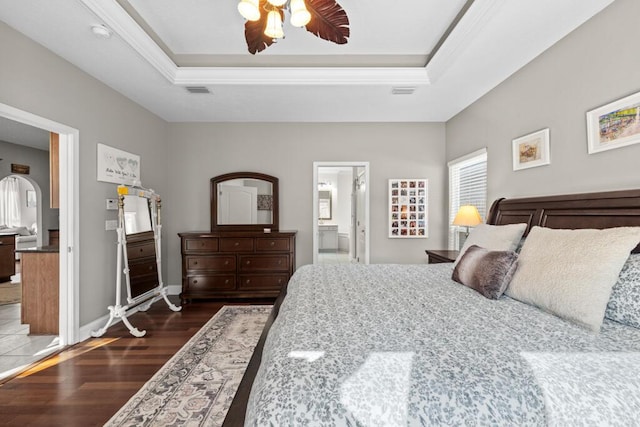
x=111, y=224
x=112, y=204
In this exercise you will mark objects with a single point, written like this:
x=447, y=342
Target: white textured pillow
x=494, y=238
x=570, y=273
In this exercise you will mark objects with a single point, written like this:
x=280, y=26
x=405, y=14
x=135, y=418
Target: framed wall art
x=408, y=213
x=531, y=150
x=614, y=125
x=117, y=166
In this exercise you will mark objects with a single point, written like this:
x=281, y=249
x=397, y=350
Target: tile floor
x=18, y=349
x=333, y=257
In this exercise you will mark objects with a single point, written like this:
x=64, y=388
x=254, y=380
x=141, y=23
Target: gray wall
x=34, y=79
x=38, y=162
x=200, y=151
x=594, y=65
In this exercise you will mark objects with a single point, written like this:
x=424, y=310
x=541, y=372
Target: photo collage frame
x=408, y=213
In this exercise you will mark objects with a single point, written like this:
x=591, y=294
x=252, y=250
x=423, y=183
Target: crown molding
x=302, y=75
x=474, y=20
x=122, y=24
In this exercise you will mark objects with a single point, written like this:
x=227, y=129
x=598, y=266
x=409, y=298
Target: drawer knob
x=236, y=244
x=195, y=262
x=248, y=262
x=202, y=244
x=248, y=281
x=150, y=267
x=279, y=261
x=226, y=262
x=273, y=243
x=226, y=281
x=141, y=250
x=195, y=281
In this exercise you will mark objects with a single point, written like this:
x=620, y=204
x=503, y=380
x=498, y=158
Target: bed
x=406, y=345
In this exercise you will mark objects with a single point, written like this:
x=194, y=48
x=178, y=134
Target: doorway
x=340, y=212
x=68, y=214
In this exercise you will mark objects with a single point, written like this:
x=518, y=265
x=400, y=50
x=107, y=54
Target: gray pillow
x=624, y=303
x=494, y=238
x=488, y=272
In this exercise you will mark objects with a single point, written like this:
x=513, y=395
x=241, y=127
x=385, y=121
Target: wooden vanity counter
x=40, y=272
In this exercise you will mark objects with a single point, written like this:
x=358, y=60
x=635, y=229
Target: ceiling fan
x=325, y=19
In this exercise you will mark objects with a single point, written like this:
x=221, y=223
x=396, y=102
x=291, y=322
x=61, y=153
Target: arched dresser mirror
x=244, y=201
x=245, y=255
x=138, y=255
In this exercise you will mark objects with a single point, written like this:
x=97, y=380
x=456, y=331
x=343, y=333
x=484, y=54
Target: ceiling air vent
x=198, y=89
x=403, y=90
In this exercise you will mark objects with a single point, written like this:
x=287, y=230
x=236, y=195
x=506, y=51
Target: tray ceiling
x=444, y=54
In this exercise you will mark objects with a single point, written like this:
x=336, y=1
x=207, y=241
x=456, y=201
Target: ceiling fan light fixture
x=273, y=28
x=277, y=3
x=300, y=16
x=249, y=9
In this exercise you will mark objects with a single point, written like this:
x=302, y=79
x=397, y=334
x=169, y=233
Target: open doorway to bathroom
x=340, y=212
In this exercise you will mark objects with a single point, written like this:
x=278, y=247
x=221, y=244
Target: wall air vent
x=198, y=89
x=403, y=90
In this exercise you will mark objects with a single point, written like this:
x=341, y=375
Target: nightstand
x=440, y=256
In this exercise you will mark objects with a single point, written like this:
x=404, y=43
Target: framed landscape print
x=531, y=150
x=408, y=213
x=614, y=125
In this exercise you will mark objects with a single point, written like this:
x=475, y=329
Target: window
x=467, y=186
x=10, y=202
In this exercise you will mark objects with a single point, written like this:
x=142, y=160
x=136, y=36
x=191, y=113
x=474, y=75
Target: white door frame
x=317, y=165
x=69, y=331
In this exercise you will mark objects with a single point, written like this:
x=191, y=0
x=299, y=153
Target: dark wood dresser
x=7, y=256
x=236, y=264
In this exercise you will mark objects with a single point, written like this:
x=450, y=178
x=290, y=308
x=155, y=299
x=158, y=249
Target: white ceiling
x=161, y=46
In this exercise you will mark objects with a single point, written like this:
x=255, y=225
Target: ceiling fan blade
x=257, y=40
x=329, y=21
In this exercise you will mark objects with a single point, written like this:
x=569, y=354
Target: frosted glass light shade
x=274, y=25
x=277, y=2
x=467, y=216
x=300, y=16
x=249, y=9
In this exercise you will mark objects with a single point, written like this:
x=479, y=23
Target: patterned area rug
x=196, y=386
x=10, y=293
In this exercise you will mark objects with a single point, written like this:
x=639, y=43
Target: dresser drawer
x=144, y=267
x=214, y=262
x=240, y=244
x=260, y=282
x=141, y=250
x=203, y=284
x=7, y=240
x=203, y=244
x=273, y=244
x=262, y=263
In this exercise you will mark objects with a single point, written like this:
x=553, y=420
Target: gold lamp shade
x=467, y=216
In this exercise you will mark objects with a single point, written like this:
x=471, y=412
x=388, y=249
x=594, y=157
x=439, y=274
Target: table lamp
x=467, y=216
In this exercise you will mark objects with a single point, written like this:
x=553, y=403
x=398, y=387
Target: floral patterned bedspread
x=404, y=345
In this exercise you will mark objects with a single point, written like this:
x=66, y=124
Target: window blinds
x=467, y=186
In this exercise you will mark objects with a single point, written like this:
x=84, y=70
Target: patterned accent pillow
x=624, y=304
x=488, y=272
x=494, y=238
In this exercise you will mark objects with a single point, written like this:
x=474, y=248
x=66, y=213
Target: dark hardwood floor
x=87, y=383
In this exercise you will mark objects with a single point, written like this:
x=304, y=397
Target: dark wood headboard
x=590, y=210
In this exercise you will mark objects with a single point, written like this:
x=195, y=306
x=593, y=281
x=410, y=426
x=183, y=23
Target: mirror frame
x=243, y=227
